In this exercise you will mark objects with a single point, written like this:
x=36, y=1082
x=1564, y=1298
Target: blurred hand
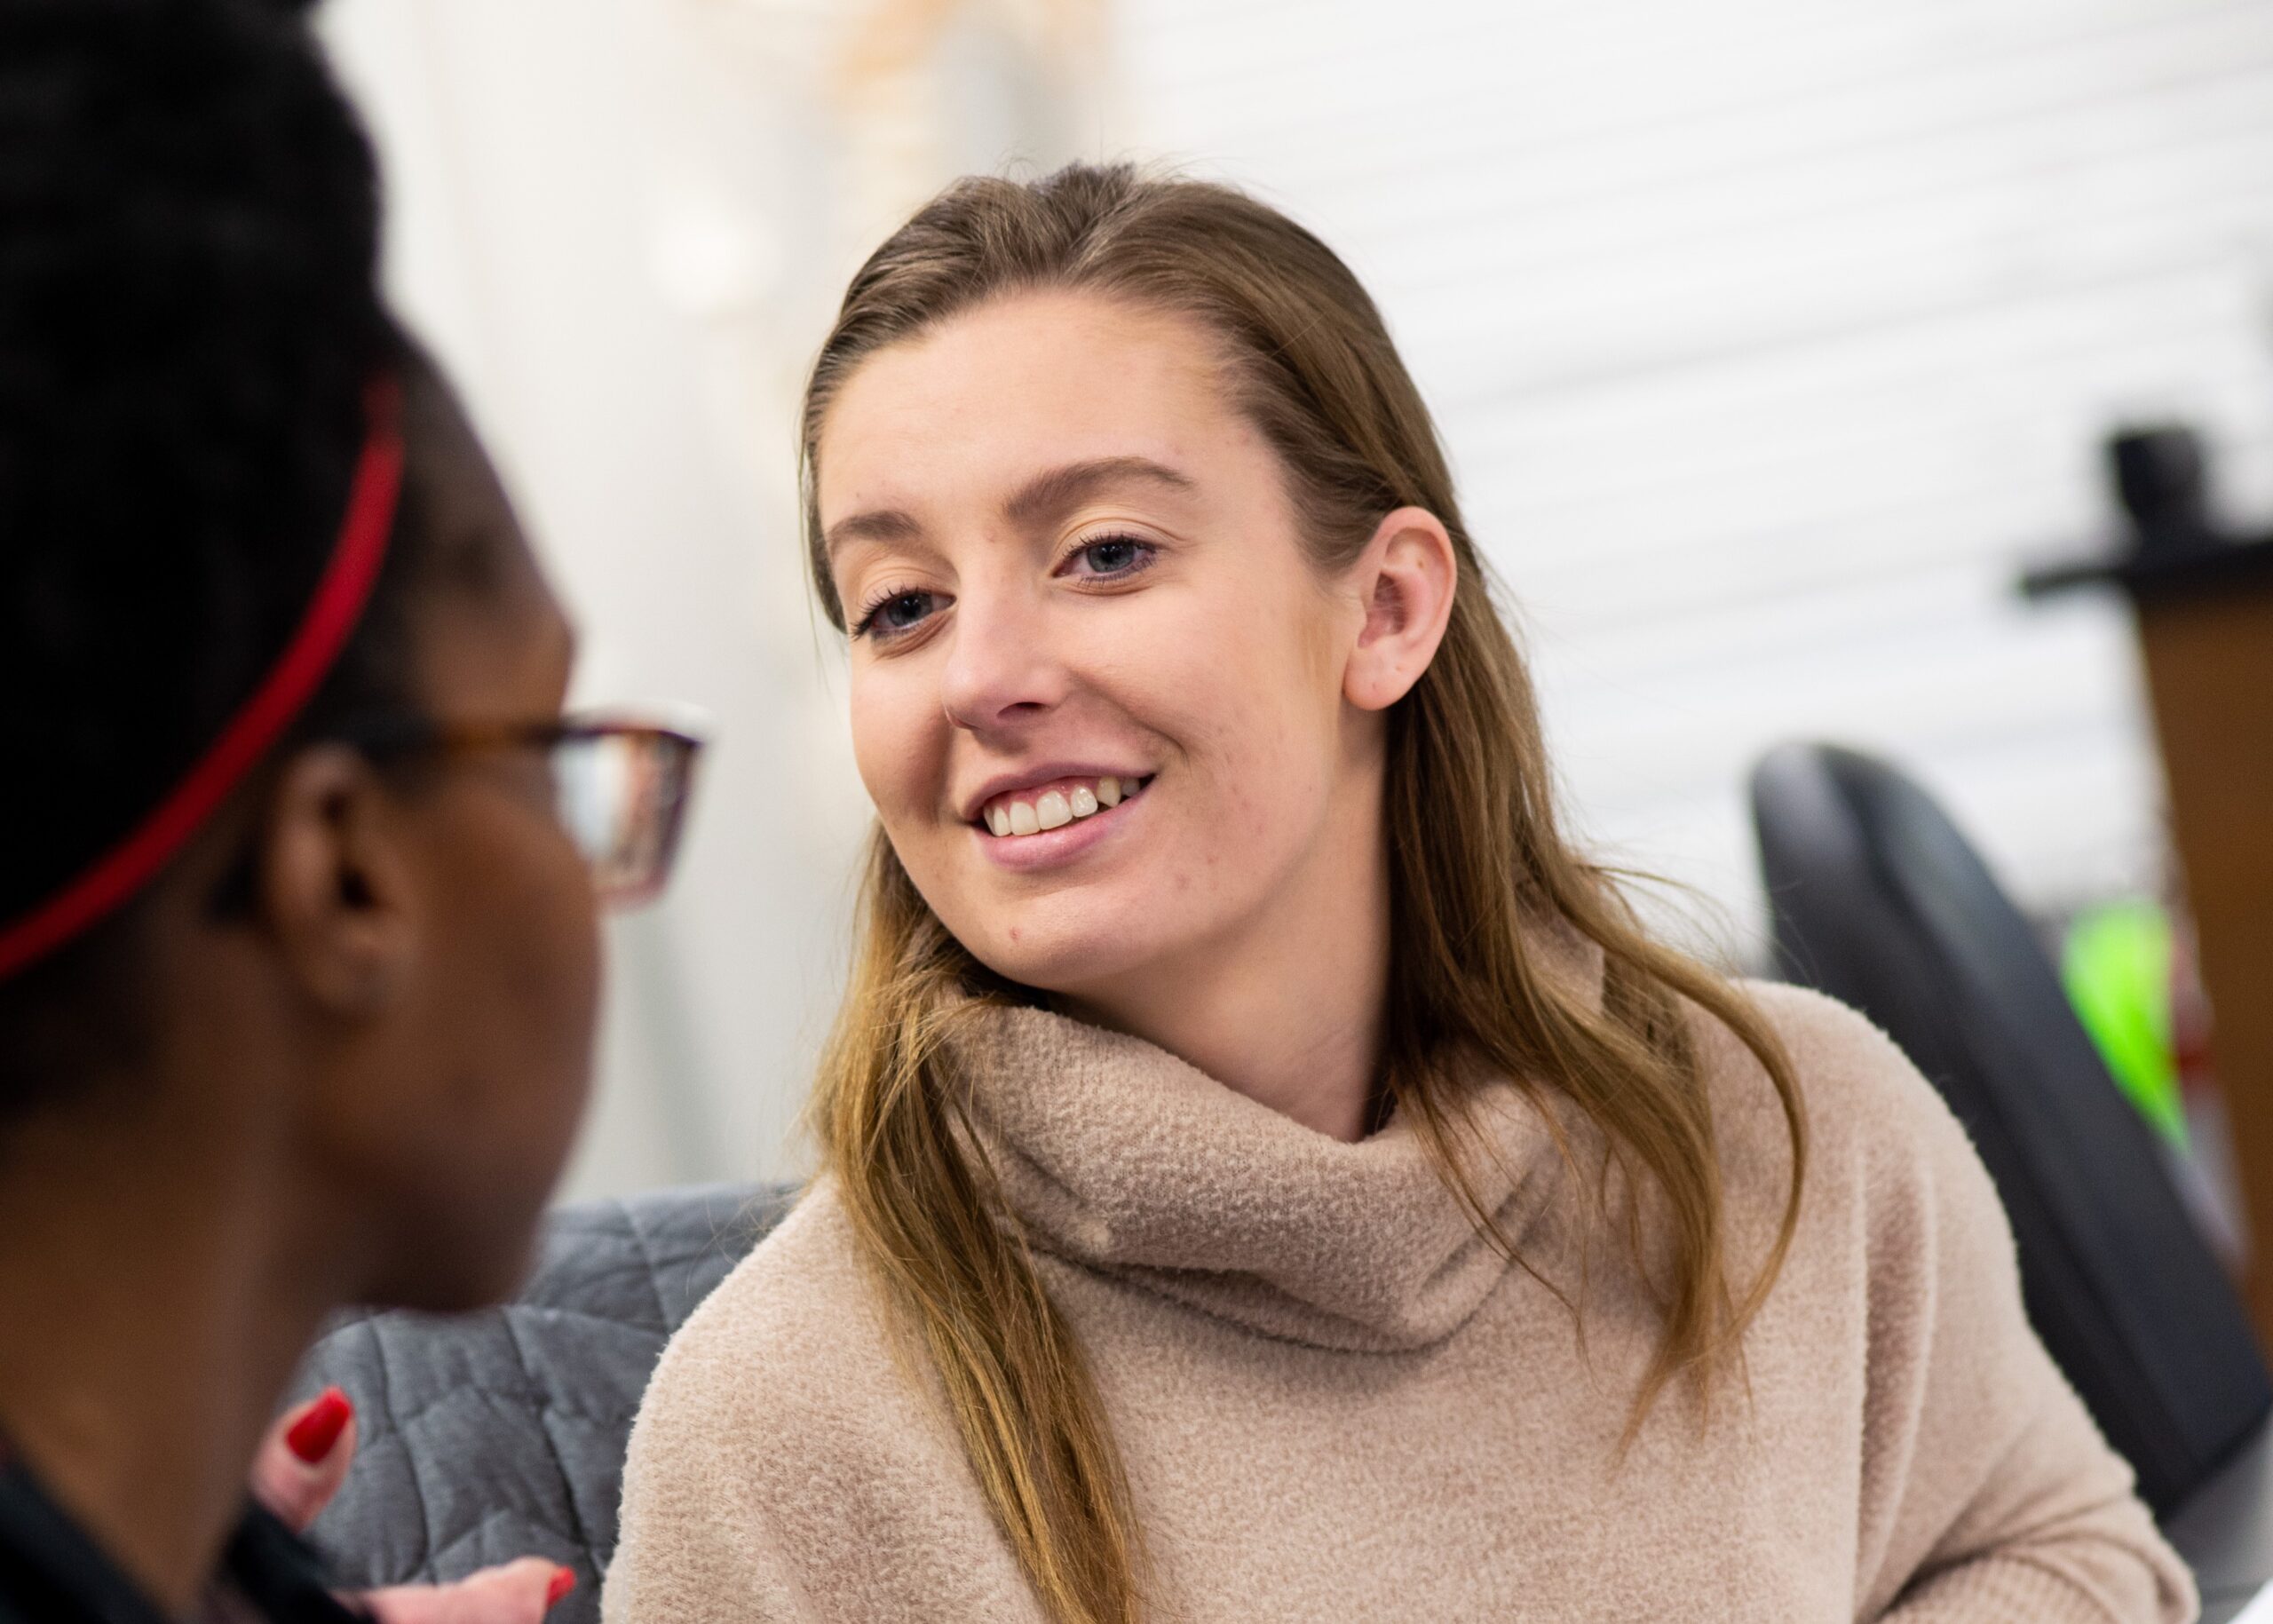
x=518, y=1593
x=303, y=1458
x=301, y=1465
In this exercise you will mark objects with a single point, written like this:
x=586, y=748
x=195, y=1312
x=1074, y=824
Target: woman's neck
x=1289, y=1011
x=148, y=1334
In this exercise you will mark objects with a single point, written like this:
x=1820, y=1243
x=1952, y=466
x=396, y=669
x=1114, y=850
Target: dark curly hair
x=188, y=319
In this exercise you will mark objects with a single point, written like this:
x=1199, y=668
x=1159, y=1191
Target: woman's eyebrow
x=1044, y=496
x=878, y=525
x=1048, y=495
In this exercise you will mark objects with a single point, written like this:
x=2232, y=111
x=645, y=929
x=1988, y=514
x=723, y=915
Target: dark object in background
x=2160, y=476
x=501, y=1434
x=2202, y=598
x=1877, y=899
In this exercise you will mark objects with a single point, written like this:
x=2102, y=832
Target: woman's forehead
x=998, y=395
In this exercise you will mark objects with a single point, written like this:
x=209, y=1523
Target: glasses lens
x=621, y=795
x=588, y=780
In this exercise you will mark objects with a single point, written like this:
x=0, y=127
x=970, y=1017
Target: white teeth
x=1058, y=808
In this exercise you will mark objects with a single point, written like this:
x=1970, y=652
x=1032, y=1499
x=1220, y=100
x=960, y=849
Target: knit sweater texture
x=1335, y=1401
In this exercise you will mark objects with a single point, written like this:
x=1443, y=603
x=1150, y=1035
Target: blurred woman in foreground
x=1269, y=1174
x=297, y=957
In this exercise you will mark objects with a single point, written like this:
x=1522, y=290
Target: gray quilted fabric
x=502, y=1434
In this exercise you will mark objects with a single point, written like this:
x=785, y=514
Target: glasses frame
x=406, y=734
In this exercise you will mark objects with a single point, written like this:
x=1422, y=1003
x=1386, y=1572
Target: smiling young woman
x=1268, y=1172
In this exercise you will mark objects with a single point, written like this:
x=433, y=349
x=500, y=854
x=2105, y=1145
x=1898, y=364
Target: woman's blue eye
x=1115, y=555
x=901, y=612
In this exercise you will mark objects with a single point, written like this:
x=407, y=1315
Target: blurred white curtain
x=622, y=224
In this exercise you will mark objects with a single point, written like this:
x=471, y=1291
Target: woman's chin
x=1078, y=961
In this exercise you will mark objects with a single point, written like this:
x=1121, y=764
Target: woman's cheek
x=889, y=747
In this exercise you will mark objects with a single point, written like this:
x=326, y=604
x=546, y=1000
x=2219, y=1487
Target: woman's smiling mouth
x=1037, y=809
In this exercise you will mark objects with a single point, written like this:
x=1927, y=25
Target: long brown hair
x=1476, y=857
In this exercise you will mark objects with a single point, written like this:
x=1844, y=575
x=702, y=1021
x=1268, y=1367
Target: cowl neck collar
x=1117, y=1155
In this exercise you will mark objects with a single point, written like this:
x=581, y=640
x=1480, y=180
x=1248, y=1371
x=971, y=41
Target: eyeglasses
x=621, y=787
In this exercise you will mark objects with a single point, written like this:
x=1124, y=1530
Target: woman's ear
x=1406, y=579
x=335, y=882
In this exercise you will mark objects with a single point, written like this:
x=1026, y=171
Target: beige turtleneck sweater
x=1334, y=1402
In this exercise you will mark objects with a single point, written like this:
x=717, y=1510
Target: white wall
x=1767, y=337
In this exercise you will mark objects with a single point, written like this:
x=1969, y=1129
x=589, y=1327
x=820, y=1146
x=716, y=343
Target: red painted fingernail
x=563, y=1581
x=312, y=1436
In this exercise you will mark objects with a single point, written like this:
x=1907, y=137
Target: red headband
x=331, y=616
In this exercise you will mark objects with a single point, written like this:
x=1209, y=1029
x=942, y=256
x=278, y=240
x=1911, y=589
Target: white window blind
x=1770, y=339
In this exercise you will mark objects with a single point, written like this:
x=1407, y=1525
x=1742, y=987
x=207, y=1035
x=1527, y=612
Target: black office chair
x=1876, y=899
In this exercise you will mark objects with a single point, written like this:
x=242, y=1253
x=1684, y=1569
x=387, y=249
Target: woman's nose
x=1003, y=665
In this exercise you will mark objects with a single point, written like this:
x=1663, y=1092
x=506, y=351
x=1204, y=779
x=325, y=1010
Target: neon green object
x=2116, y=966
